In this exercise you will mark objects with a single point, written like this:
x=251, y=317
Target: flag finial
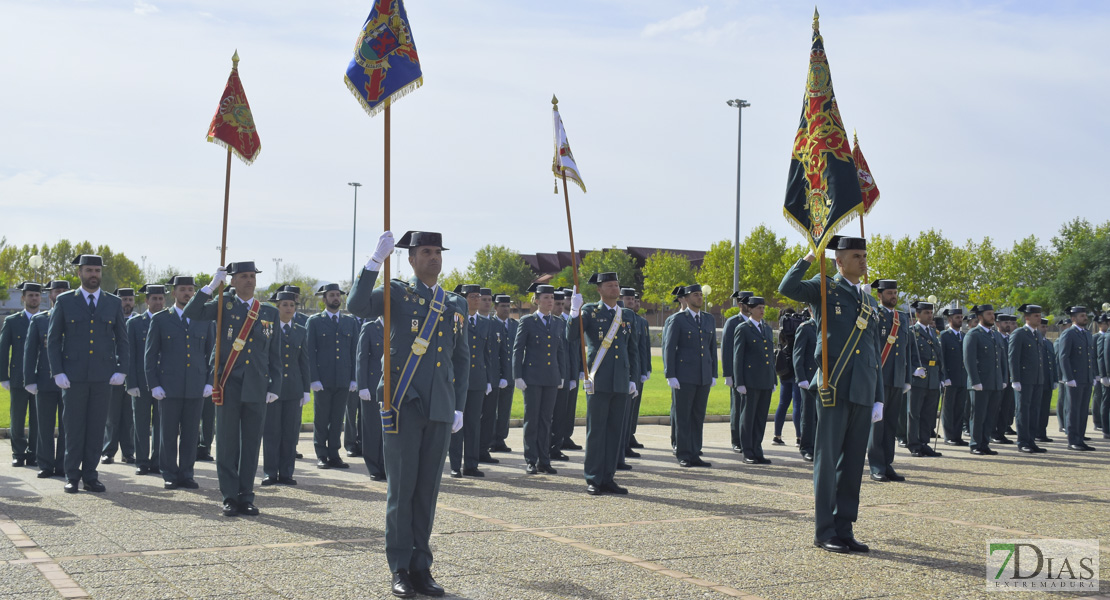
x=855, y=139
x=554, y=101
x=816, y=19
x=235, y=59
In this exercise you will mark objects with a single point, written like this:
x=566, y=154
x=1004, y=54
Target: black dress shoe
x=94, y=486
x=33, y=462
x=474, y=472
x=485, y=457
x=59, y=473
x=423, y=583
x=808, y=457
x=248, y=508
x=338, y=464
x=697, y=462
x=624, y=467
x=155, y=471
x=855, y=546
x=1080, y=447
x=634, y=443
x=832, y=545
x=230, y=508
x=559, y=456
x=377, y=477
x=290, y=480
x=895, y=476
x=879, y=477
x=568, y=444
x=1085, y=439
x=1038, y=450
x=594, y=490
x=71, y=486
x=630, y=453
x=955, y=442
x=18, y=462
x=170, y=485
x=736, y=448
x=354, y=452
x=107, y=460
x=613, y=488
x=298, y=455
x=1010, y=431
x=763, y=460
x=1026, y=449
x=142, y=470
x=530, y=469
x=547, y=469
x=685, y=463
x=269, y=480
x=901, y=443
x=1002, y=440
x=457, y=474
x=402, y=585
x=978, y=452
x=1043, y=439
x=990, y=451
x=917, y=453
x=207, y=457
x=777, y=441
x=323, y=464
x=44, y=474
x=189, y=484
x=930, y=452
x=128, y=460
x=751, y=460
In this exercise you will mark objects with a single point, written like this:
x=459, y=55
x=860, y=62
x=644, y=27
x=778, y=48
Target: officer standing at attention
x=89, y=354
x=119, y=432
x=502, y=317
x=143, y=404
x=690, y=345
x=368, y=374
x=1076, y=353
x=429, y=394
x=50, y=453
x=502, y=374
x=805, y=370
x=645, y=374
x=900, y=363
x=178, y=362
x=539, y=363
x=332, y=344
x=483, y=345
x=249, y=374
x=1098, y=396
x=728, y=336
x=753, y=374
x=1026, y=357
x=925, y=389
x=613, y=363
x=983, y=359
x=13, y=340
x=679, y=294
x=1103, y=356
x=566, y=399
x=1004, y=325
x=955, y=383
x=854, y=396
x=282, y=427
x=298, y=317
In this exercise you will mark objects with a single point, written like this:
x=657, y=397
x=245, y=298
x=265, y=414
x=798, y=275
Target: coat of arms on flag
x=563, y=163
x=867, y=187
x=233, y=124
x=385, y=66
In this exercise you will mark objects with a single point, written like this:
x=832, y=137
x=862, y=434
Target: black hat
x=561, y=294
x=679, y=292
x=628, y=292
x=1005, y=317
x=466, y=289
x=246, y=266
x=177, y=280
x=485, y=292
x=884, y=284
x=951, y=311
x=920, y=305
x=153, y=288
x=981, y=308
x=1104, y=318
x=329, y=287
x=1076, y=310
x=847, y=242
x=59, y=284
x=694, y=287
x=87, y=260
x=1044, y=321
x=125, y=292
x=280, y=295
x=289, y=288
x=753, y=301
x=539, y=288
x=741, y=295
x=502, y=299
x=599, y=278
x=1029, y=308
x=29, y=286
x=415, y=239
x=1065, y=321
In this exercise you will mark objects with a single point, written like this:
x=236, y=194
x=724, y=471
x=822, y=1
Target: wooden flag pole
x=387, y=287
x=218, y=293
x=824, y=326
x=574, y=268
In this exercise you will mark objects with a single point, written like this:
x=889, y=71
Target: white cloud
x=688, y=20
x=144, y=8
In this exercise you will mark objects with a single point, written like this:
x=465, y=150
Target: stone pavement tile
x=24, y=579
x=221, y=584
x=133, y=577
x=511, y=552
x=8, y=551
x=161, y=591
x=614, y=581
x=103, y=565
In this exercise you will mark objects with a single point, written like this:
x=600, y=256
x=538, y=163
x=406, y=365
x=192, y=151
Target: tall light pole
x=354, y=231
x=740, y=105
x=277, y=270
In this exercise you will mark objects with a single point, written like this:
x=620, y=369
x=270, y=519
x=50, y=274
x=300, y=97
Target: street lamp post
x=740, y=105
x=35, y=262
x=277, y=270
x=354, y=230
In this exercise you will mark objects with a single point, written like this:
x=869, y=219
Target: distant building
x=550, y=263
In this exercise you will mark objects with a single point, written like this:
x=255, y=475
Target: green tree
x=716, y=272
x=604, y=261
x=502, y=270
x=452, y=280
x=1083, y=277
x=564, y=278
x=662, y=272
x=761, y=255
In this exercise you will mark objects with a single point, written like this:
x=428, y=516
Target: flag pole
x=574, y=269
x=387, y=287
x=824, y=326
x=218, y=293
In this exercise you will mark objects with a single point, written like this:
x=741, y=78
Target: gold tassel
x=556, y=187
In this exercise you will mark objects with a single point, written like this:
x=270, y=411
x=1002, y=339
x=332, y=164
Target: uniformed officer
x=854, y=396
x=566, y=399
x=753, y=374
x=983, y=359
x=628, y=300
x=645, y=374
x=1004, y=326
x=248, y=382
x=970, y=323
x=502, y=373
x=500, y=427
x=1097, y=396
x=298, y=317
x=1076, y=354
x=119, y=431
x=900, y=361
x=1061, y=387
x=690, y=345
x=483, y=345
x=679, y=294
x=13, y=339
x=925, y=389
x=178, y=375
x=89, y=354
x=728, y=336
x=368, y=374
x=434, y=397
x=955, y=383
x=282, y=428
x=332, y=345
x=613, y=369
x=539, y=367
x=805, y=370
x=1051, y=376
x=50, y=453
x=145, y=409
x=1026, y=357
x=1103, y=357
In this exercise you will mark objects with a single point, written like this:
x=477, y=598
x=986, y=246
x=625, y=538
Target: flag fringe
x=380, y=106
x=239, y=155
x=831, y=229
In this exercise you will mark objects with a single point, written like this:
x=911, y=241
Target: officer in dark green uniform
x=1103, y=357
x=1097, y=397
x=805, y=370
x=1051, y=376
x=853, y=399
x=955, y=383
x=1076, y=354
x=983, y=358
x=679, y=294
x=900, y=363
x=728, y=336
x=501, y=372
x=253, y=381
x=89, y=354
x=145, y=408
x=612, y=370
x=1026, y=357
x=645, y=374
x=924, y=390
x=1004, y=326
x=332, y=344
x=13, y=339
x=753, y=374
x=628, y=300
x=298, y=317
x=466, y=444
x=50, y=453
x=368, y=374
x=282, y=428
x=499, y=430
x=119, y=431
x=538, y=362
x=690, y=346
x=430, y=372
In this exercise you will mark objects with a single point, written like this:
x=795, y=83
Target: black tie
x=92, y=303
x=697, y=320
x=285, y=329
x=335, y=319
x=473, y=321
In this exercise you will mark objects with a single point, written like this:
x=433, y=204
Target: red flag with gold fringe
x=233, y=125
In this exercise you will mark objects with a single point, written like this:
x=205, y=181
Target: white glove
x=581, y=375
x=306, y=398
x=946, y=382
x=218, y=278
x=1017, y=386
x=316, y=386
x=489, y=388
x=1005, y=385
x=134, y=392
x=1071, y=383
x=575, y=303
x=1105, y=381
x=866, y=288
x=353, y=387
x=728, y=382
x=588, y=386
x=7, y=385
x=673, y=382
x=117, y=379
x=561, y=383
x=643, y=378
x=573, y=384
x=502, y=384
x=457, y=425
x=61, y=381
x=713, y=382
x=919, y=372
x=801, y=384
x=520, y=385
x=207, y=393
x=270, y=397
x=877, y=412
x=632, y=391
x=385, y=247
x=742, y=389
x=32, y=388
x=364, y=395
x=906, y=388
x=978, y=387
x=158, y=393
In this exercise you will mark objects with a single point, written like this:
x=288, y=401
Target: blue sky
x=976, y=118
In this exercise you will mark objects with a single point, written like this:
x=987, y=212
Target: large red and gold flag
x=867, y=185
x=233, y=125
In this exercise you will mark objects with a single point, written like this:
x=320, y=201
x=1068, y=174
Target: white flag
x=564, y=158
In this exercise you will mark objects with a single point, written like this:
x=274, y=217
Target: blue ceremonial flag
x=385, y=66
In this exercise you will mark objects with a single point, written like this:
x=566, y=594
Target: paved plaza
x=730, y=531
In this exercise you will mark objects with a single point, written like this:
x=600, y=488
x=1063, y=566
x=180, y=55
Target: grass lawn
x=656, y=400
